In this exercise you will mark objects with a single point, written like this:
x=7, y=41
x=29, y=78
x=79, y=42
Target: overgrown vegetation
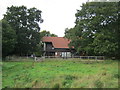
x=60, y=73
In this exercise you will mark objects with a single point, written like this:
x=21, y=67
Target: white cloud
x=57, y=14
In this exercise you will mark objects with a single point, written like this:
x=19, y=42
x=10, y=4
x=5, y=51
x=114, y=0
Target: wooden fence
x=80, y=57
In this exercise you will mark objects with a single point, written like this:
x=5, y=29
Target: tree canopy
x=26, y=23
x=47, y=33
x=96, y=29
x=8, y=38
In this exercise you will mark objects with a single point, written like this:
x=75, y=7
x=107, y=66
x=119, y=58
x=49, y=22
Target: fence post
x=103, y=58
x=96, y=58
x=80, y=58
x=35, y=58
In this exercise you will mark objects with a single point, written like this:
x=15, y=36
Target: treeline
x=21, y=31
x=96, y=30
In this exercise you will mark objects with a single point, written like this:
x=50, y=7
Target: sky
x=57, y=14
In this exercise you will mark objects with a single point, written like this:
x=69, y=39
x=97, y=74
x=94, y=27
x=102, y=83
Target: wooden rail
x=81, y=57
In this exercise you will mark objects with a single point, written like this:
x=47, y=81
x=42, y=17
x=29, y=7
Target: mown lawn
x=60, y=73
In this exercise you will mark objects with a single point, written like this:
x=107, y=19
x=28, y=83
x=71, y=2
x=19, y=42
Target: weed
x=116, y=76
x=56, y=86
x=34, y=82
x=69, y=77
x=68, y=80
x=104, y=73
x=67, y=83
x=98, y=84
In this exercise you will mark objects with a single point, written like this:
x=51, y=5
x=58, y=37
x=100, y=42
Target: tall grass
x=60, y=73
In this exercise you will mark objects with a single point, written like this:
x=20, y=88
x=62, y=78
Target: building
x=57, y=47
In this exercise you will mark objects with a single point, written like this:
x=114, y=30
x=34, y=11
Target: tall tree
x=95, y=30
x=25, y=22
x=8, y=39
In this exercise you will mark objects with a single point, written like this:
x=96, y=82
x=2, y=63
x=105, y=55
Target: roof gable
x=58, y=42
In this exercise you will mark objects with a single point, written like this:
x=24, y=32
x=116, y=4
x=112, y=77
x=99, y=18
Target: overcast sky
x=57, y=14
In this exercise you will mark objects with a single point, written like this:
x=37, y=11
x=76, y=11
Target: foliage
x=25, y=22
x=59, y=73
x=39, y=49
x=47, y=33
x=96, y=29
x=8, y=39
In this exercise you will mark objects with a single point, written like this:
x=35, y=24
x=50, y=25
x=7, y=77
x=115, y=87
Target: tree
x=95, y=31
x=25, y=22
x=69, y=33
x=8, y=39
x=47, y=33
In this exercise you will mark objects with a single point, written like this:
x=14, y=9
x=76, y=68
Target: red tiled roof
x=58, y=42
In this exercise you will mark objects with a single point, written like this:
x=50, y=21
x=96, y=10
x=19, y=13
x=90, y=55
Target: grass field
x=60, y=73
